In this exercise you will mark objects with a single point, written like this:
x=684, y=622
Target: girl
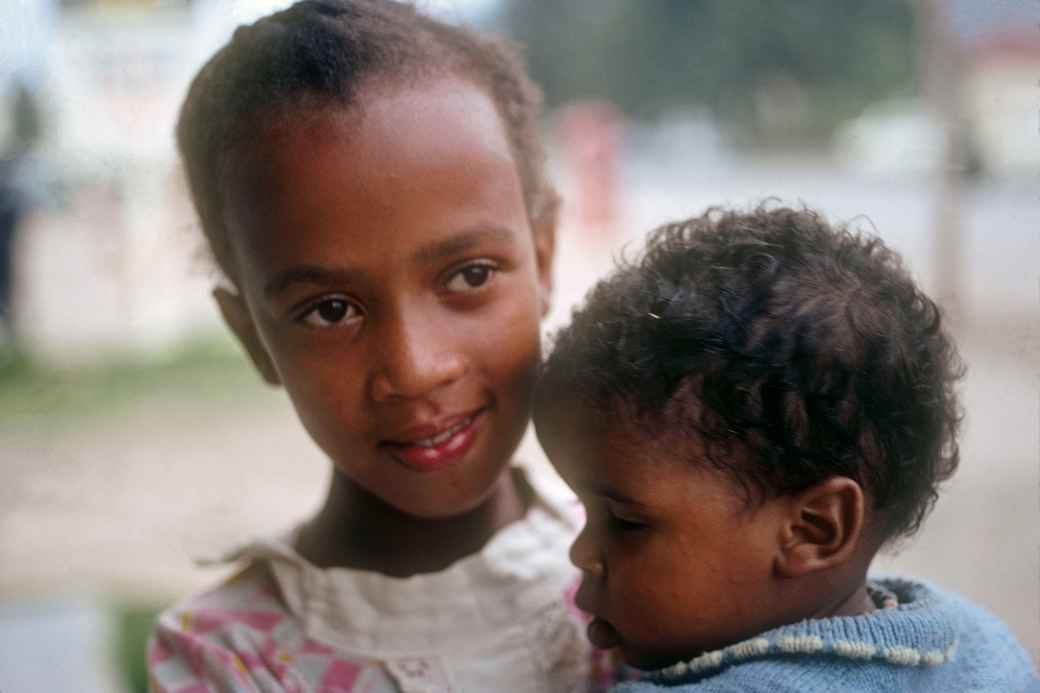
x=371, y=182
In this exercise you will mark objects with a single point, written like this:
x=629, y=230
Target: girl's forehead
x=415, y=163
x=385, y=118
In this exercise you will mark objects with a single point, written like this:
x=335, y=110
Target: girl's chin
x=458, y=502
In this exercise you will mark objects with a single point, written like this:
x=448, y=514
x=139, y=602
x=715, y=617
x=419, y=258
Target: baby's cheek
x=645, y=589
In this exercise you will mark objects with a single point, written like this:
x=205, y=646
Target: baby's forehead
x=595, y=435
x=609, y=426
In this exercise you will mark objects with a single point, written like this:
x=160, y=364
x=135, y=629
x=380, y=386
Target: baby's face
x=395, y=287
x=673, y=562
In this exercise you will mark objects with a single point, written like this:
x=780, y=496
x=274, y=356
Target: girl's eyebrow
x=432, y=252
x=307, y=274
x=461, y=242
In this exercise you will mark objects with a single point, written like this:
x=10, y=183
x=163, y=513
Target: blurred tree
x=759, y=65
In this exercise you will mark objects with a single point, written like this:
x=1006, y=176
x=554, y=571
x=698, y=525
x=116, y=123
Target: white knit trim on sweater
x=806, y=644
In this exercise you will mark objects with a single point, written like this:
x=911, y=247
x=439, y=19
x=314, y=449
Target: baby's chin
x=651, y=659
x=652, y=662
x=649, y=656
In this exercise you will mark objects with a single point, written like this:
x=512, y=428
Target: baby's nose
x=585, y=554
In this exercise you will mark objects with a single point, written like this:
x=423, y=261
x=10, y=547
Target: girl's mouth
x=440, y=450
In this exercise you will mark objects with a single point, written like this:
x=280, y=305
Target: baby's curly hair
x=321, y=53
x=808, y=344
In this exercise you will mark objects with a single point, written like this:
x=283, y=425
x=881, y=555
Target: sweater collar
x=918, y=632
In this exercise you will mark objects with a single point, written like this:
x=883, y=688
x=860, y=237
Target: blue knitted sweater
x=932, y=641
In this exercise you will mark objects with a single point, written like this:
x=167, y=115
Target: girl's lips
x=441, y=449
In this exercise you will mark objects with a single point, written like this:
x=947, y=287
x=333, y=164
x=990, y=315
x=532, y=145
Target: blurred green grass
x=133, y=626
x=206, y=368
x=34, y=396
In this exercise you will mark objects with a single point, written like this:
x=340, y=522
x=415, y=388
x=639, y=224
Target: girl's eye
x=470, y=277
x=329, y=312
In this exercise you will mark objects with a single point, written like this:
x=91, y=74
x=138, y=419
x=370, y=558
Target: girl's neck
x=357, y=530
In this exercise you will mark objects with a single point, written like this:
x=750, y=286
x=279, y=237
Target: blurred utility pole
x=942, y=80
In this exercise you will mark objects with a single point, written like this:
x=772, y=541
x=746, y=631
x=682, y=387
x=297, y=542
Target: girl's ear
x=823, y=527
x=544, y=229
x=236, y=315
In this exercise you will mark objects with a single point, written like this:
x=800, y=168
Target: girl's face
x=673, y=563
x=392, y=282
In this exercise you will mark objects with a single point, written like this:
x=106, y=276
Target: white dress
x=499, y=620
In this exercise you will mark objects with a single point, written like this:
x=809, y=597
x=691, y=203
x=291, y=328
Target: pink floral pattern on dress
x=256, y=649
x=253, y=644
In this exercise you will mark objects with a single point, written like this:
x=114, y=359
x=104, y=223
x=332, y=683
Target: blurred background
x=120, y=391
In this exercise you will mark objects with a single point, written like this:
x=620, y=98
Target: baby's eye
x=621, y=519
x=470, y=277
x=329, y=312
x=623, y=524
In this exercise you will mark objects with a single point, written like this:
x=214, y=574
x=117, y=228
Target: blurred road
x=120, y=506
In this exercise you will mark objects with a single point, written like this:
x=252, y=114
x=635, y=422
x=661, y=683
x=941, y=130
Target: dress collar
x=521, y=571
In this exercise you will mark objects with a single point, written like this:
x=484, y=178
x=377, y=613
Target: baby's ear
x=236, y=315
x=823, y=527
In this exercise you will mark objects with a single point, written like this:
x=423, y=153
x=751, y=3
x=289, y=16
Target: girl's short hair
x=321, y=53
x=805, y=345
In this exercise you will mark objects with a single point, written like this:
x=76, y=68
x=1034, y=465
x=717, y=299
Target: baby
x=749, y=413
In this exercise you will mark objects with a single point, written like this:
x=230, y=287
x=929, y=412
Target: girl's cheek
x=510, y=330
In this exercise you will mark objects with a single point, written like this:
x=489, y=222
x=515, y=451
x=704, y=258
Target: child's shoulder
x=249, y=591
x=249, y=598
x=234, y=634
x=985, y=644
x=244, y=635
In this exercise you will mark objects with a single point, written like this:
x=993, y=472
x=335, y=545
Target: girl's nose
x=415, y=357
x=585, y=554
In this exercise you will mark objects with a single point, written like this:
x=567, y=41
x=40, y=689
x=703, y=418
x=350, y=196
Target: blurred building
x=998, y=48
x=111, y=260
x=1002, y=93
